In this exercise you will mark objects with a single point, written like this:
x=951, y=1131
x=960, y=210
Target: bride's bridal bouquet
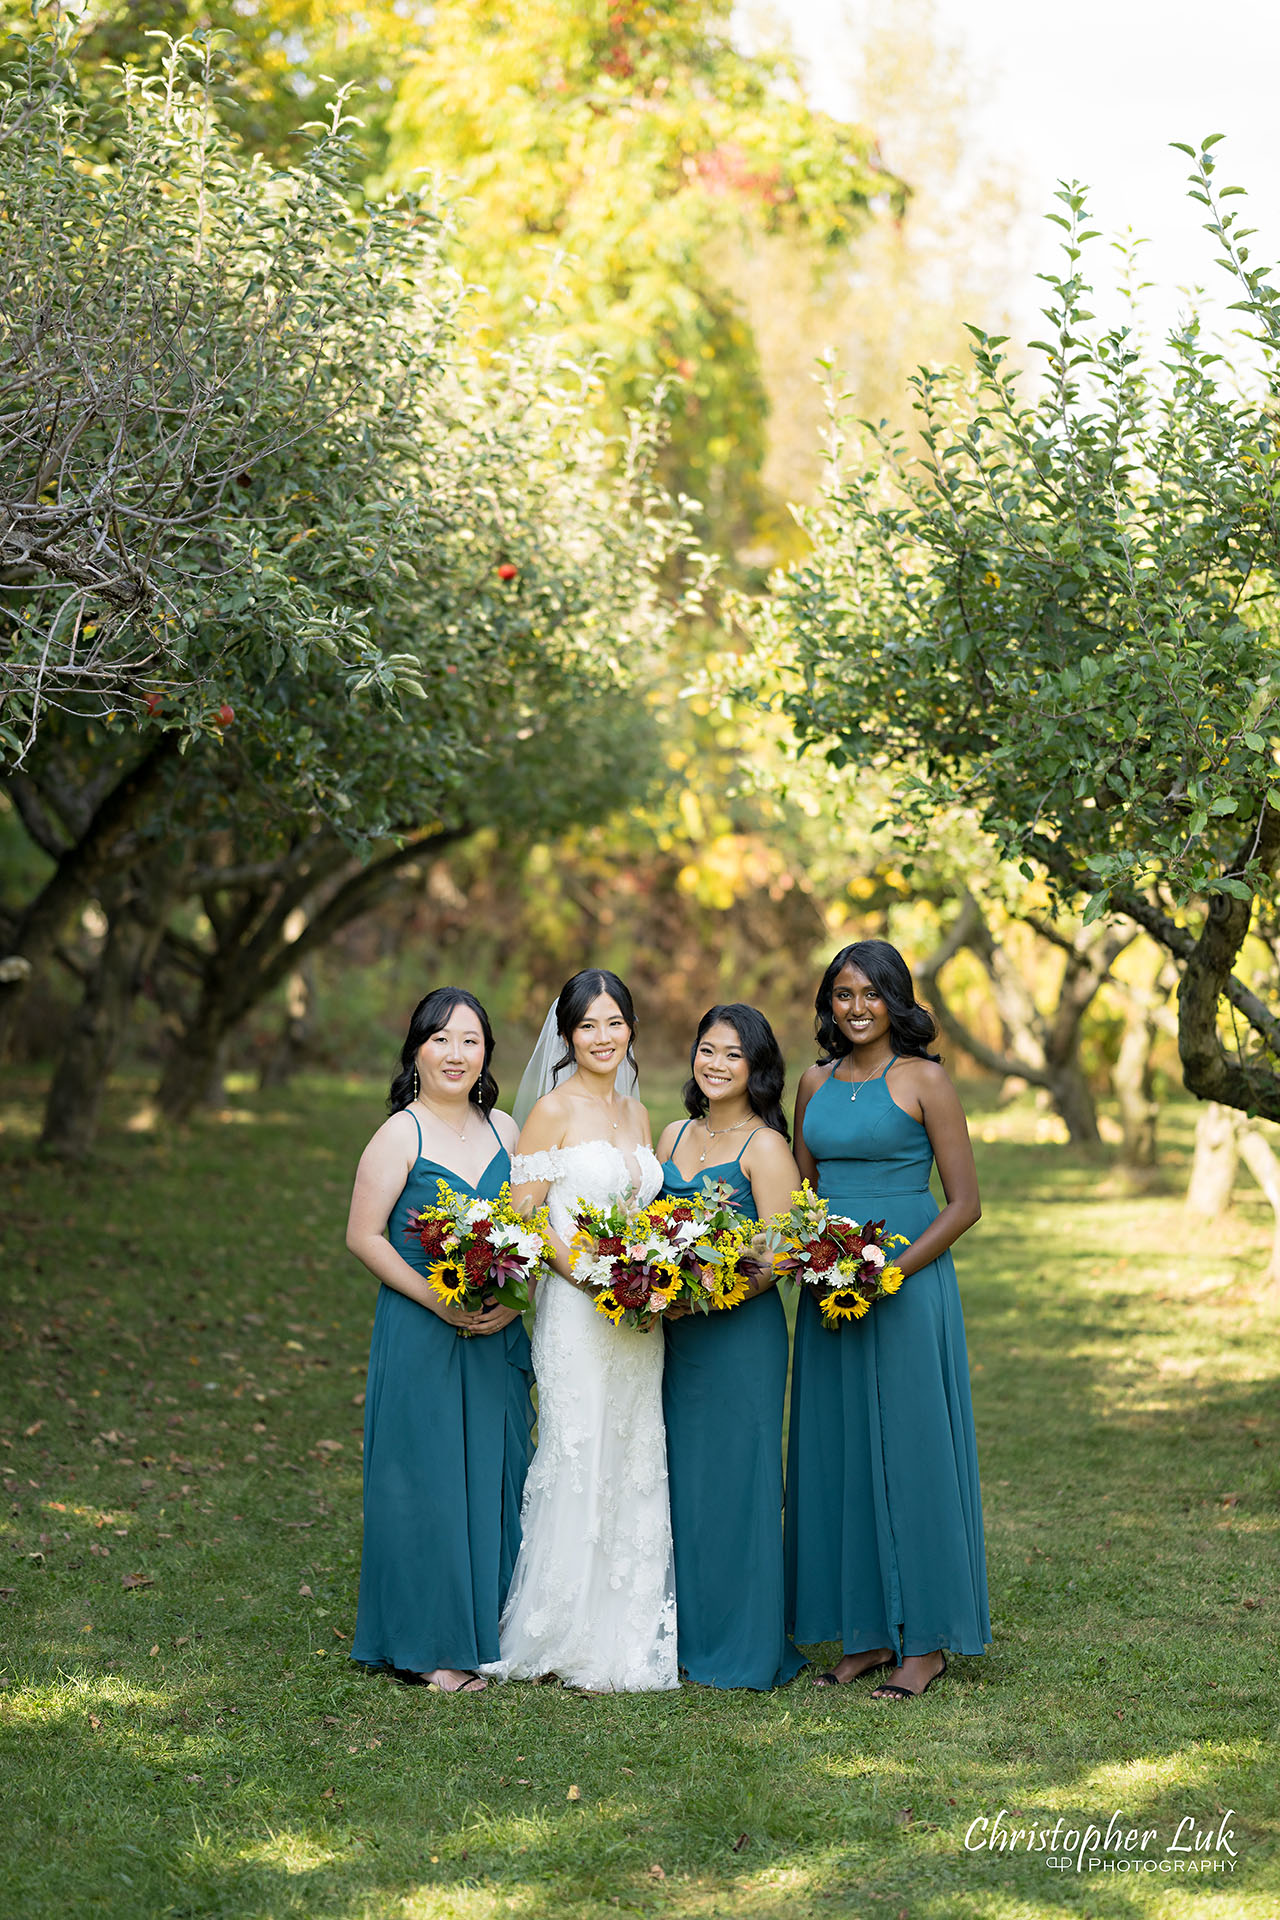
x=695, y=1251
x=849, y=1262
x=481, y=1251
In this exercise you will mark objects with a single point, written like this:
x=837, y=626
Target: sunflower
x=449, y=1278
x=890, y=1279
x=838, y=1307
x=606, y=1302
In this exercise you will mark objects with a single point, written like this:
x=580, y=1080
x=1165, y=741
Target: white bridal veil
x=540, y=1076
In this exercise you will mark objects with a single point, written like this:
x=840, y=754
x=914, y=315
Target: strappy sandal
x=830, y=1678
x=474, y=1682
x=886, y=1691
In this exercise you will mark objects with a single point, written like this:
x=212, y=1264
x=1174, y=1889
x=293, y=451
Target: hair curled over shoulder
x=576, y=996
x=912, y=1028
x=429, y=1016
x=766, y=1068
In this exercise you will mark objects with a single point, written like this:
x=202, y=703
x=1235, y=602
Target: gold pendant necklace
x=713, y=1133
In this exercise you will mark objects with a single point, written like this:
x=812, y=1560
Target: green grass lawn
x=184, y=1349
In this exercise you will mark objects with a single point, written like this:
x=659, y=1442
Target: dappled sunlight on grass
x=186, y=1344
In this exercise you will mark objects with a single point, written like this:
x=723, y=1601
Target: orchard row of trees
x=350, y=540
x=320, y=557
x=294, y=587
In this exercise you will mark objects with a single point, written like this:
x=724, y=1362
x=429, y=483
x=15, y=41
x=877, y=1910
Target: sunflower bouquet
x=697, y=1251
x=629, y=1267
x=849, y=1262
x=481, y=1252
x=716, y=1252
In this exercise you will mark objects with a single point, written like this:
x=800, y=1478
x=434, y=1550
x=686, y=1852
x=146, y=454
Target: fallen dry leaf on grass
x=656, y=1872
x=742, y=1842
x=574, y=1793
x=154, y=1651
x=137, y=1580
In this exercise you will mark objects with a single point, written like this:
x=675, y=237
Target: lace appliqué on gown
x=593, y=1595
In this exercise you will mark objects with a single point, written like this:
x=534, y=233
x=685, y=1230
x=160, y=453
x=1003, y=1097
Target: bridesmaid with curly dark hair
x=725, y=1379
x=884, y=1542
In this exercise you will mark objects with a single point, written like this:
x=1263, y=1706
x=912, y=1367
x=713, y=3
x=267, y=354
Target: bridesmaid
x=884, y=1515
x=448, y=1418
x=726, y=1373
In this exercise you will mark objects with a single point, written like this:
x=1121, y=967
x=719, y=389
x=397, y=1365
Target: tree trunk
x=73, y=1106
x=1133, y=1081
x=293, y=1044
x=1069, y=1091
x=1041, y=1050
x=1134, y=1077
x=257, y=949
x=78, y=873
x=1213, y=1170
x=194, y=1068
x=1257, y=1155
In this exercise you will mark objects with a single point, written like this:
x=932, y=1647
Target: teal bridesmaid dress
x=723, y=1386
x=448, y=1423
x=884, y=1544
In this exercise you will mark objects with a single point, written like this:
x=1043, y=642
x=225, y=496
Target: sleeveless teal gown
x=447, y=1431
x=723, y=1386
x=884, y=1543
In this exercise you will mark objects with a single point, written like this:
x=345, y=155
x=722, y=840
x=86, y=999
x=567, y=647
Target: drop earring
x=416, y=1083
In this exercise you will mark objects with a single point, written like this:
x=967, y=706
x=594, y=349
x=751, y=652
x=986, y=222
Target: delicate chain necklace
x=714, y=1133
x=460, y=1131
x=856, y=1086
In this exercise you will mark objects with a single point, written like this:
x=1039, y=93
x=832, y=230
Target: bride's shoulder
x=547, y=1121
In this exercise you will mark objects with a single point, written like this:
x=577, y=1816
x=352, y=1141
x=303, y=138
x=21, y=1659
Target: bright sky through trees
x=1096, y=91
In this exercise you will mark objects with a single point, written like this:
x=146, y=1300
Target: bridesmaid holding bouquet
x=448, y=1413
x=725, y=1375
x=884, y=1542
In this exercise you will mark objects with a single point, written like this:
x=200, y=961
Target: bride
x=592, y=1600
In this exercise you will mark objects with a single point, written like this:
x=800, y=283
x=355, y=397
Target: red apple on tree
x=225, y=715
x=508, y=570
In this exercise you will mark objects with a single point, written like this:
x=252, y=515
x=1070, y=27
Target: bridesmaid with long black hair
x=725, y=1376
x=448, y=1414
x=884, y=1541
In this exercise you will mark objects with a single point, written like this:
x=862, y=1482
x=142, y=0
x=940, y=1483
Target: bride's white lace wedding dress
x=593, y=1596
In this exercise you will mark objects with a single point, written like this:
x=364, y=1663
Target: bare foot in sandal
x=915, y=1676
x=852, y=1665
x=454, y=1680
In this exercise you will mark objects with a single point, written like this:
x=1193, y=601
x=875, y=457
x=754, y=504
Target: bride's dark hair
x=576, y=996
x=911, y=1027
x=429, y=1016
x=767, y=1070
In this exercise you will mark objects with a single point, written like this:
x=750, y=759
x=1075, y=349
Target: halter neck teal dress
x=884, y=1542
x=447, y=1430
x=723, y=1386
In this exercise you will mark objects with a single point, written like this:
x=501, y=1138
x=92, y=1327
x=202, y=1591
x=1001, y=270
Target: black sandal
x=832, y=1679
x=886, y=1691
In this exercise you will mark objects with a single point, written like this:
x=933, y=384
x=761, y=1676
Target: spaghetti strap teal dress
x=884, y=1543
x=448, y=1422
x=723, y=1386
